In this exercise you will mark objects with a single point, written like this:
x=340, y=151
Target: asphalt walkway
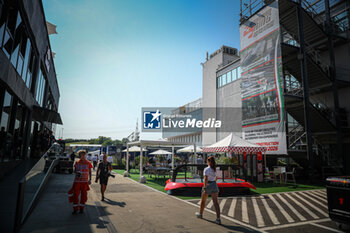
x=128, y=207
x=8, y=194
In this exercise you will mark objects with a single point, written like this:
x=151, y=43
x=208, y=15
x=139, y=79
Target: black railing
x=200, y=167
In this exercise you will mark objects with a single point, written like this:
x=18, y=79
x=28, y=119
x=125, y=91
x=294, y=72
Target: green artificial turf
x=261, y=188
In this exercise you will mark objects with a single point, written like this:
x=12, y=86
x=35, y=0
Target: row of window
x=189, y=138
x=40, y=88
x=229, y=77
x=17, y=46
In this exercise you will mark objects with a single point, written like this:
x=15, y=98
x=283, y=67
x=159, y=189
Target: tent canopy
x=189, y=149
x=233, y=143
x=134, y=149
x=160, y=152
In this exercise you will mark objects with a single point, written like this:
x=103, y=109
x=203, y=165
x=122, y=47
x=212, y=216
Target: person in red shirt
x=82, y=169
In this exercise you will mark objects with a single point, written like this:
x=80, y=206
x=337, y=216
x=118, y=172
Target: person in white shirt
x=94, y=160
x=89, y=157
x=101, y=156
x=110, y=159
x=210, y=188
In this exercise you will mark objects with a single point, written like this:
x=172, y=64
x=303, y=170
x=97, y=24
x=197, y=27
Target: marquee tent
x=160, y=152
x=189, y=149
x=134, y=149
x=233, y=143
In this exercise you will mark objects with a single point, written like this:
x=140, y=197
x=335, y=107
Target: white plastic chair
x=291, y=174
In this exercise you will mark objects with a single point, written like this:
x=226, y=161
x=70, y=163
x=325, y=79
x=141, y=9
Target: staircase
x=322, y=116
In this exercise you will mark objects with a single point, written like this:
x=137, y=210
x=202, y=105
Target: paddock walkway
x=129, y=207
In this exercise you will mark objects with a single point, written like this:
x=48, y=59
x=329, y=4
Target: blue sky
x=114, y=57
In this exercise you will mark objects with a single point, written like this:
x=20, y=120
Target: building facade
x=313, y=59
x=194, y=109
x=29, y=93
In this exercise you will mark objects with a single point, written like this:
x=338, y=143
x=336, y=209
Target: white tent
x=233, y=143
x=160, y=152
x=189, y=149
x=134, y=149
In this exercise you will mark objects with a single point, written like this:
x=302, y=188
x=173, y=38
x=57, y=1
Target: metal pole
x=302, y=57
x=172, y=158
x=329, y=31
x=127, y=157
x=141, y=160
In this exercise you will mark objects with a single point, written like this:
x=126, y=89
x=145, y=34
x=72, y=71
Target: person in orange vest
x=82, y=169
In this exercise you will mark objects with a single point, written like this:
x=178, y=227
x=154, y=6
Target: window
x=26, y=60
x=6, y=110
x=31, y=68
x=341, y=21
x=224, y=79
x=234, y=75
x=40, y=88
x=229, y=77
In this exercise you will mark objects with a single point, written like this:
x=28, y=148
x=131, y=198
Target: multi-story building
x=190, y=136
x=29, y=93
x=301, y=74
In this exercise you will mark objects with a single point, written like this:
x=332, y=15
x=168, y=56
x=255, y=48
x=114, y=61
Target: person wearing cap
x=82, y=169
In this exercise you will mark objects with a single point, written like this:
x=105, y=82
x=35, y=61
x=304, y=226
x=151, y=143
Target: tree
x=124, y=141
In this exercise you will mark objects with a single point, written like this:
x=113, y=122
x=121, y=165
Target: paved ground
x=291, y=212
x=8, y=194
x=133, y=207
x=129, y=207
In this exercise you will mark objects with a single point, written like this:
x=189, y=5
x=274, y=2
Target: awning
x=233, y=143
x=47, y=115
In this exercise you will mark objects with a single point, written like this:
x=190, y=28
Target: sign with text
x=263, y=120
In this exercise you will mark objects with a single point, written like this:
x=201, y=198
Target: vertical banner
x=263, y=120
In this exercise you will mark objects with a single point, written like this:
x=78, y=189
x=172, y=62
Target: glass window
x=6, y=110
x=229, y=77
x=26, y=60
x=43, y=93
x=40, y=88
x=18, y=116
x=219, y=81
x=8, y=42
x=224, y=79
x=234, y=74
x=239, y=72
x=31, y=68
x=14, y=55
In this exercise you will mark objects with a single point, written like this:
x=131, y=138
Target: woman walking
x=210, y=188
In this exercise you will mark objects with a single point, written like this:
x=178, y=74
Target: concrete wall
x=209, y=93
x=229, y=109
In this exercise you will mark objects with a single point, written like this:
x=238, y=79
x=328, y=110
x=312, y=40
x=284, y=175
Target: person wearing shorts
x=210, y=188
x=102, y=173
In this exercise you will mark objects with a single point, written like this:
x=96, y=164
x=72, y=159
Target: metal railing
x=32, y=184
x=200, y=167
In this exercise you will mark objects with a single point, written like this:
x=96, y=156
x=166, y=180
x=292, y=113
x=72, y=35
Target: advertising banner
x=263, y=120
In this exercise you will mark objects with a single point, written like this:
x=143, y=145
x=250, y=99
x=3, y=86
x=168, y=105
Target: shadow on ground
x=111, y=202
x=232, y=228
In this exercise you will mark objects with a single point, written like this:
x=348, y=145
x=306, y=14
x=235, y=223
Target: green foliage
x=227, y=160
x=144, y=160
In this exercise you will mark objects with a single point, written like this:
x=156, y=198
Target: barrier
x=30, y=188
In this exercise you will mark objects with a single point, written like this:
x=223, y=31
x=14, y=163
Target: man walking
x=82, y=169
x=102, y=173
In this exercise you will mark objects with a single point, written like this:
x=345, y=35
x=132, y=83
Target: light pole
x=62, y=133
